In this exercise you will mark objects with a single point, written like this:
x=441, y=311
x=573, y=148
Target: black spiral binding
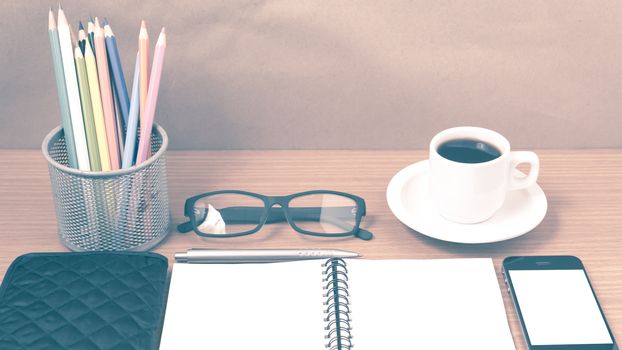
x=339, y=336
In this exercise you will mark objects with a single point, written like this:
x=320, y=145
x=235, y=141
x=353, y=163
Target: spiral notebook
x=337, y=304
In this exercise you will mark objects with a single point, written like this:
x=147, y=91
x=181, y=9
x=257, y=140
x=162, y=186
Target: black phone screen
x=559, y=307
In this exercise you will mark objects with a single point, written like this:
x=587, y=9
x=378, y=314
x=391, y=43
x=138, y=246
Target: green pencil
x=63, y=100
x=87, y=111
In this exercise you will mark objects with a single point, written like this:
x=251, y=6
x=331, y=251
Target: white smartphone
x=556, y=304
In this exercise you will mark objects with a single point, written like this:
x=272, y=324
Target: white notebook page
x=245, y=306
x=427, y=304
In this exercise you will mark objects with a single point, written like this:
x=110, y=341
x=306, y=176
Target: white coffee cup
x=472, y=192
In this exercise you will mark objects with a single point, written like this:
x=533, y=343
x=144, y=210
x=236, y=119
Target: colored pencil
x=73, y=93
x=106, y=96
x=81, y=37
x=87, y=110
x=62, y=92
x=96, y=103
x=132, y=124
x=143, y=48
x=115, y=96
x=118, y=120
x=90, y=31
x=152, y=98
x=114, y=61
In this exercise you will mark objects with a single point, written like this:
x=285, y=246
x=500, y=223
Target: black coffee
x=468, y=151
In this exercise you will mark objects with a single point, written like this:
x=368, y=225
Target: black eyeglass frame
x=269, y=203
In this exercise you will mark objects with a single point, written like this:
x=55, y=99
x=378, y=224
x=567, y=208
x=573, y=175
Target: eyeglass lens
x=323, y=213
x=228, y=213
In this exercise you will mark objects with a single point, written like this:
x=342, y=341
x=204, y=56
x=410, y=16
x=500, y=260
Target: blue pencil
x=132, y=125
x=117, y=73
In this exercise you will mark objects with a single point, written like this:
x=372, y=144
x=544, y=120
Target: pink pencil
x=146, y=121
x=106, y=95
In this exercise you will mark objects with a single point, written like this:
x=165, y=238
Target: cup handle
x=521, y=157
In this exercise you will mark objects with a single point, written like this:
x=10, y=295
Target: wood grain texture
x=584, y=190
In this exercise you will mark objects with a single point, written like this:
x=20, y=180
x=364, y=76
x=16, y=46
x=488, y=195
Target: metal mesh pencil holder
x=125, y=209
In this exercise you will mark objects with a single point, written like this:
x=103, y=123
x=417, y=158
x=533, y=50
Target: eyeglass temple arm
x=240, y=215
x=185, y=227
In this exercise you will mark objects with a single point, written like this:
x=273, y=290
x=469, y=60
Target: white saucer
x=407, y=195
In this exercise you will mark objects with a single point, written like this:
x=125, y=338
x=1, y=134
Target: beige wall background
x=344, y=74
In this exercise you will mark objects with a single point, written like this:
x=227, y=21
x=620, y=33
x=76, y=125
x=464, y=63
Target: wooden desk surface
x=584, y=190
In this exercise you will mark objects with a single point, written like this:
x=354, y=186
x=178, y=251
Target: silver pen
x=258, y=255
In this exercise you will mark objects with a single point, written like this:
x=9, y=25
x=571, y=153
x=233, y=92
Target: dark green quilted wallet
x=93, y=300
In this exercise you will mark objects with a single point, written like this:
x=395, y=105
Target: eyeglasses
x=239, y=213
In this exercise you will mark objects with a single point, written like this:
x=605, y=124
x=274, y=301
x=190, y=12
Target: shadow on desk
x=543, y=234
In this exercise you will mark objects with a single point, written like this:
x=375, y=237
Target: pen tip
x=348, y=254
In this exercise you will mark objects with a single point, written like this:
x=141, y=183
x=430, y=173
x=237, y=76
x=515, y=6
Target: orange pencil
x=146, y=124
x=106, y=95
x=143, y=47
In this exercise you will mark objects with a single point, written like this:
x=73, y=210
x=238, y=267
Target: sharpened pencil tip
x=90, y=19
x=62, y=19
x=80, y=26
x=105, y=22
x=142, y=24
x=142, y=35
x=51, y=21
x=162, y=38
x=108, y=31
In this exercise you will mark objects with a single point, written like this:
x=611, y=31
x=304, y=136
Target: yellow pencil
x=96, y=102
x=87, y=110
